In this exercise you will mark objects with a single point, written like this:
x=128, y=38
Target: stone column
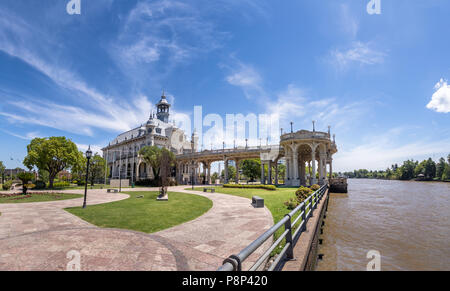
x=269, y=173
x=237, y=171
x=263, y=178
x=331, y=168
x=296, y=181
x=302, y=173
x=208, y=179
x=313, y=162
x=276, y=173
x=226, y=170
x=286, y=174
x=194, y=173
x=204, y=173
x=321, y=168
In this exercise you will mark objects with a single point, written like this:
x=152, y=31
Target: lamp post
x=88, y=157
x=192, y=175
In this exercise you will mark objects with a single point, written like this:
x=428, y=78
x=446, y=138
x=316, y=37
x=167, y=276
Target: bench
x=112, y=191
x=213, y=190
x=257, y=202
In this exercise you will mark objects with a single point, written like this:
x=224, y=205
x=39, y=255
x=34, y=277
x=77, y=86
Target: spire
x=163, y=108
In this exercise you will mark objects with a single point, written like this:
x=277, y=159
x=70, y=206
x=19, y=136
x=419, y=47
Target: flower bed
x=265, y=187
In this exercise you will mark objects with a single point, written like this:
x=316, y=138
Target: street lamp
x=192, y=175
x=88, y=157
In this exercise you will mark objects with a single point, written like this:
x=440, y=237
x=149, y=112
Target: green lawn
x=44, y=197
x=145, y=214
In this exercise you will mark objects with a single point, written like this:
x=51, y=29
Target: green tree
x=53, y=155
x=231, y=173
x=446, y=174
x=26, y=179
x=251, y=168
x=2, y=171
x=430, y=169
x=214, y=177
x=281, y=171
x=152, y=155
x=440, y=167
x=406, y=171
x=96, y=168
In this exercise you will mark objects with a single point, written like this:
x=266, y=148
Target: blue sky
x=380, y=81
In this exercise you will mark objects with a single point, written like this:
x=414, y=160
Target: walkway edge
x=305, y=250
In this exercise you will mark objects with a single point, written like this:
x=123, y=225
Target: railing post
x=303, y=209
x=290, y=250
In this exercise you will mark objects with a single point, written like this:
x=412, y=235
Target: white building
x=122, y=153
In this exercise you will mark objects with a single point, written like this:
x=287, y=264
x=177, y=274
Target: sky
x=379, y=80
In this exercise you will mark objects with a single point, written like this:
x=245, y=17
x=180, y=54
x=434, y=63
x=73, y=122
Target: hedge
x=240, y=186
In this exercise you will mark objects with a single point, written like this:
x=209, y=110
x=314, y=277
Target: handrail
x=234, y=262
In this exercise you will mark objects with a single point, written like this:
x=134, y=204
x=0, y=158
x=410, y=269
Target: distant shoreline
x=412, y=180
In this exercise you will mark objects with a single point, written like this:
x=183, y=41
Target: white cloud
x=289, y=104
x=94, y=148
x=381, y=151
x=163, y=33
x=99, y=110
x=28, y=136
x=358, y=53
x=348, y=22
x=440, y=101
x=245, y=77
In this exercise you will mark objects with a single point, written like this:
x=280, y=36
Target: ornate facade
x=302, y=150
x=122, y=153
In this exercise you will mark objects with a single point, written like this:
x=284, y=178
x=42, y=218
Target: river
x=408, y=223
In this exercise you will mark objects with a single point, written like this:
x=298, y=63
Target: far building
x=122, y=152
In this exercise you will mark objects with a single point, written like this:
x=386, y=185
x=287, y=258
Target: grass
x=145, y=214
x=41, y=197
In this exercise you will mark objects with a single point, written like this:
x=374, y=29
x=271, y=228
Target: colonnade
x=302, y=156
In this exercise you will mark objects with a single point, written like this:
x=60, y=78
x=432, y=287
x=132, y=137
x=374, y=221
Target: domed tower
x=163, y=109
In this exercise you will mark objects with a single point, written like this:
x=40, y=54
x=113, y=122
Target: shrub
x=315, y=187
x=291, y=203
x=7, y=185
x=302, y=193
x=39, y=185
x=61, y=184
x=148, y=183
x=81, y=183
x=265, y=187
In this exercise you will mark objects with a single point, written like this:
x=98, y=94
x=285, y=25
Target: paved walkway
x=38, y=236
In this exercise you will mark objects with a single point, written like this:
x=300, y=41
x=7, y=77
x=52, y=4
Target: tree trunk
x=50, y=180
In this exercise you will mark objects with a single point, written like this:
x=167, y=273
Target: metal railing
x=300, y=215
x=236, y=150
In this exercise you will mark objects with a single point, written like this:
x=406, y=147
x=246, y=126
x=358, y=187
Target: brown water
x=407, y=222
